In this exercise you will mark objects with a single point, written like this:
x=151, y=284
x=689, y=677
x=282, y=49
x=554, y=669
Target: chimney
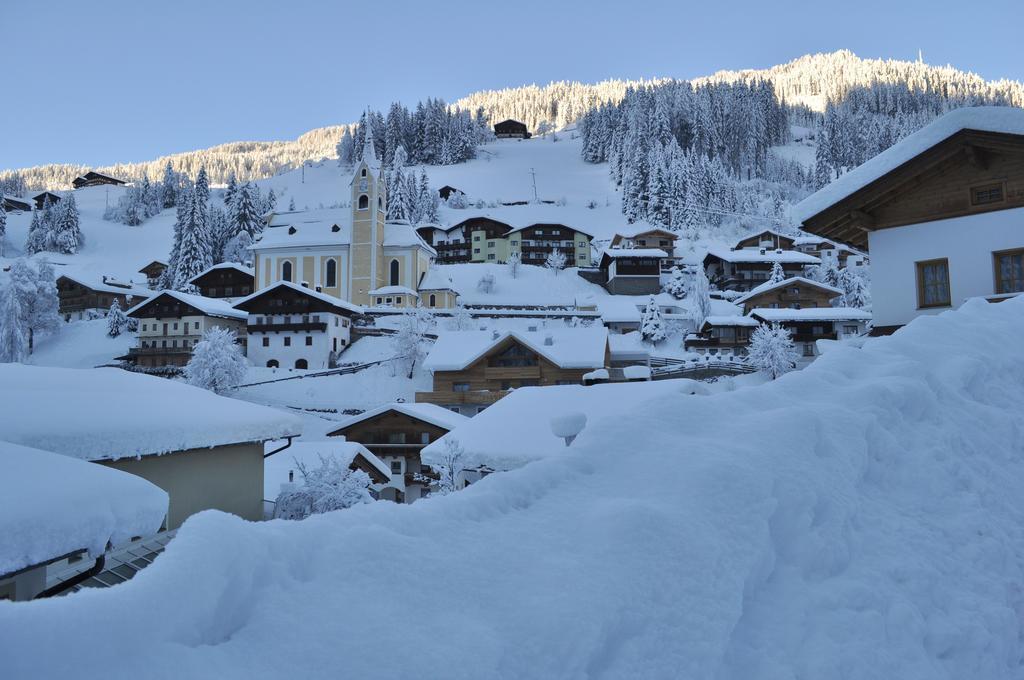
x=549, y=340
x=305, y=284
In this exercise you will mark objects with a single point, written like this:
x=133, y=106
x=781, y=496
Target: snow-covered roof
x=569, y=348
x=403, y=235
x=519, y=217
x=762, y=232
x=637, y=228
x=633, y=252
x=51, y=505
x=755, y=255
x=326, y=226
x=437, y=278
x=225, y=265
x=1002, y=119
x=108, y=413
x=795, y=280
x=394, y=290
x=152, y=262
x=430, y=413
x=734, y=320
x=532, y=286
x=342, y=305
x=517, y=429
x=105, y=284
x=219, y=307
x=277, y=466
x=811, y=314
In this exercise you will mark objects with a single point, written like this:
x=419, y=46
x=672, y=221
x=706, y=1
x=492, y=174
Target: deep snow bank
x=862, y=518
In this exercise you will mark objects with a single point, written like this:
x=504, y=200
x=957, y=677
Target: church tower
x=369, y=212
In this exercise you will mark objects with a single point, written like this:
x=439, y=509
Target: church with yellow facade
x=355, y=253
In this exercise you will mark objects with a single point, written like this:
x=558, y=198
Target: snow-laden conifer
x=771, y=350
x=217, y=363
x=653, y=328
x=699, y=296
x=329, y=486
x=117, y=320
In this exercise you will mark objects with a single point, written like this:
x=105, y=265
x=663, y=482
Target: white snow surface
x=51, y=505
x=811, y=314
x=1004, y=119
x=861, y=518
x=582, y=347
x=755, y=255
x=108, y=413
x=793, y=280
x=430, y=413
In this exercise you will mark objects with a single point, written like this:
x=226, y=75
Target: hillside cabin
x=481, y=238
x=724, y=336
x=535, y=242
x=632, y=271
x=40, y=199
x=746, y=268
x=291, y=326
x=226, y=280
x=793, y=293
x=83, y=297
x=172, y=323
x=446, y=191
x=808, y=326
x=509, y=129
x=205, y=451
x=153, y=271
x=768, y=239
x=473, y=369
x=940, y=212
x=395, y=433
x=647, y=236
x=93, y=179
x=12, y=204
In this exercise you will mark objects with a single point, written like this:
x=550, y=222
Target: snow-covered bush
x=772, y=351
x=34, y=283
x=513, y=264
x=678, y=283
x=461, y=319
x=652, y=323
x=409, y=342
x=555, y=261
x=217, y=362
x=329, y=486
x=117, y=320
x=13, y=337
x=449, y=466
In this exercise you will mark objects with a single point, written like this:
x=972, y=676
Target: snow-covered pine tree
x=652, y=323
x=270, y=202
x=35, y=284
x=230, y=191
x=220, y=232
x=678, y=283
x=427, y=201
x=513, y=264
x=65, y=232
x=856, y=292
x=771, y=350
x=291, y=204
x=37, y=236
x=184, y=206
x=237, y=248
x=194, y=256
x=202, y=186
x=3, y=228
x=699, y=296
x=13, y=337
x=169, y=187
x=217, y=363
x=245, y=213
x=117, y=320
x=409, y=342
x=346, y=149
x=555, y=261
x=398, y=198
x=777, y=275
x=329, y=486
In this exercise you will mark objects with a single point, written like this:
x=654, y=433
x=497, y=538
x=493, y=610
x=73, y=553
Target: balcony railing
x=279, y=327
x=150, y=351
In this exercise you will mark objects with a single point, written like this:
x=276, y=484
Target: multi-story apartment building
x=171, y=323
x=486, y=239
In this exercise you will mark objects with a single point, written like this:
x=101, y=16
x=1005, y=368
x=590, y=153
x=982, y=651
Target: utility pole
x=533, y=175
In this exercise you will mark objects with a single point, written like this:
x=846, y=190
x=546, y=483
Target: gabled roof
x=580, y=348
x=998, y=119
x=811, y=314
x=727, y=321
x=428, y=413
x=772, y=232
x=216, y=307
x=769, y=256
x=340, y=305
x=158, y=263
x=327, y=226
x=353, y=455
x=92, y=174
x=644, y=228
x=106, y=285
x=794, y=280
x=615, y=253
x=394, y=290
x=401, y=234
x=241, y=268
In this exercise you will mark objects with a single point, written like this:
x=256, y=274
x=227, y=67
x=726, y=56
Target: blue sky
x=129, y=81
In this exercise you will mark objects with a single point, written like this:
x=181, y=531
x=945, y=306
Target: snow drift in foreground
x=862, y=518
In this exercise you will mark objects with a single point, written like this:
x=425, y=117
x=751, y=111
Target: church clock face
x=363, y=184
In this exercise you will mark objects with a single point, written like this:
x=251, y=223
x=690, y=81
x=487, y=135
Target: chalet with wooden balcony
x=647, y=236
x=769, y=239
x=722, y=336
x=794, y=293
x=14, y=204
x=291, y=326
x=741, y=269
x=41, y=199
x=511, y=129
x=632, y=271
x=482, y=238
x=808, y=325
x=225, y=280
x=83, y=297
x=940, y=212
x=827, y=250
x=153, y=271
x=171, y=323
x=395, y=433
x=93, y=179
x=473, y=369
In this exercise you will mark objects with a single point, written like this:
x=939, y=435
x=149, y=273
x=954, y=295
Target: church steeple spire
x=369, y=151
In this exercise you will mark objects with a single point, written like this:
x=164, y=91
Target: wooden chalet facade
x=807, y=326
x=537, y=241
x=92, y=179
x=290, y=326
x=171, y=323
x=632, y=271
x=940, y=213
x=396, y=434
x=41, y=198
x=794, y=293
x=227, y=280
x=507, y=129
x=746, y=268
x=153, y=271
x=508, y=361
x=12, y=204
x=767, y=239
x=81, y=298
x=722, y=336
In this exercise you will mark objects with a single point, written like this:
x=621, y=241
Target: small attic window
x=363, y=173
x=291, y=230
x=987, y=193
x=335, y=228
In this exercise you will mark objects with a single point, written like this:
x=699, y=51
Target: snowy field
x=863, y=519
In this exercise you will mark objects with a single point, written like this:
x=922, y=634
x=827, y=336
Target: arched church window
x=286, y=271
x=394, y=272
x=363, y=173
x=332, y=273
x=364, y=202
x=380, y=203
x=433, y=300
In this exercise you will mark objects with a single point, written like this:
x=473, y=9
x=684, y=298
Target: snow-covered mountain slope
x=887, y=543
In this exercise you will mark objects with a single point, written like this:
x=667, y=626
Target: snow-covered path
x=861, y=518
